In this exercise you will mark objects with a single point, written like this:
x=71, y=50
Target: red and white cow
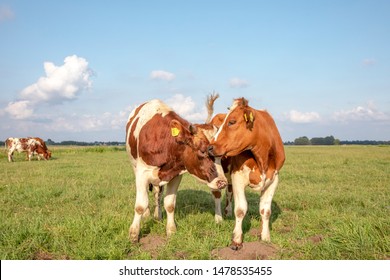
x=28, y=145
x=251, y=141
x=41, y=149
x=162, y=146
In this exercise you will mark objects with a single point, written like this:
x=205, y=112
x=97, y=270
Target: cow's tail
x=210, y=105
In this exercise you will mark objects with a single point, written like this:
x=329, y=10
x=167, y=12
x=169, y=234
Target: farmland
x=331, y=203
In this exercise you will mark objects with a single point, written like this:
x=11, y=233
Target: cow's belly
x=148, y=172
x=254, y=178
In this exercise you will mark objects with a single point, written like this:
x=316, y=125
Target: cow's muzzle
x=210, y=150
x=221, y=184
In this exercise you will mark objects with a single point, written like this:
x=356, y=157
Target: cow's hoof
x=133, y=236
x=236, y=246
x=218, y=219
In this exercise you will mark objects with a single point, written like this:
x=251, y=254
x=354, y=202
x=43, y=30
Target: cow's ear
x=176, y=128
x=179, y=132
x=249, y=118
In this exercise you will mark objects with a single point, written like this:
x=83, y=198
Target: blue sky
x=73, y=70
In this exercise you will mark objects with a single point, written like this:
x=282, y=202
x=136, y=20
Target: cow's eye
x=231, y=122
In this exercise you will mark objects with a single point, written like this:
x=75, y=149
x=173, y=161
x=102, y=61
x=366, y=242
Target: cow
x=250, y=141
x=162, y=146
x=28, y=145
x=41, y=150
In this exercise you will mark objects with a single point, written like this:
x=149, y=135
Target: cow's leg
x=170, y=203
x=217, y=202
x=141, y=204
x=29, y=155
x=229, y=198
x=10, y=154
x=158, y=193
x=265, y=208
x=146, y=214
x=240, y=209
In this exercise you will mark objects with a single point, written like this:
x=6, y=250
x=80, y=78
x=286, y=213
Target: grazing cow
x=162, y=146
x=27, y=145
x=41, y=149
x=252, y=141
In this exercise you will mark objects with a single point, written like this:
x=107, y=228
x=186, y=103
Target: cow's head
x=41, y=151
x=234, y=134
x=47, y=154
x=197, y=161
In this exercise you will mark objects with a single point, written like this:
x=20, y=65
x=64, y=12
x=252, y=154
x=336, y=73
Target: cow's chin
x=233, y=153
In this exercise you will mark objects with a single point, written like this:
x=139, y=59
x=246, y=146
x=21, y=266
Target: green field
x=331, y=203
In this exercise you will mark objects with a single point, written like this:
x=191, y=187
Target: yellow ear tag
x=246, y=117
x=251, y=117
x=175, y=131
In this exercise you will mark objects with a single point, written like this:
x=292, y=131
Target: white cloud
x=19, y=109
x=186, y=108
x=6, y=13
x=60, y=83
x=238, y=83
x=300, y=117
x=162, y=75
x=361, y=113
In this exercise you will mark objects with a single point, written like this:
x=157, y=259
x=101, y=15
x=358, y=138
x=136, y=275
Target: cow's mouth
x=212, y=151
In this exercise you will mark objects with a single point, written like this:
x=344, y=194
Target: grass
x=331, y=203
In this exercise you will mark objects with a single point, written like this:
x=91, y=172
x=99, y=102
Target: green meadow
x=332, y=203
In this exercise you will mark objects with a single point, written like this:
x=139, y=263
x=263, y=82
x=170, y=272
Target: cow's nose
x=210, y=150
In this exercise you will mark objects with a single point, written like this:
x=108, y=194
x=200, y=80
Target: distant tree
x=50, y=142
x=302, y=141
x=328, y=140
x=317, y=141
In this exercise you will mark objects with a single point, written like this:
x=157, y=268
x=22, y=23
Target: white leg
x=10, y=153
x=141, y=204
x=240, y=208
x=217, y=201
x=265, y=208
x=170, y=204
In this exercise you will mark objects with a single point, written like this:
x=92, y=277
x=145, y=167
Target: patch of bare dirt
x=316, y=239
x=250, y=251
x=42, y=255
x=152, y=243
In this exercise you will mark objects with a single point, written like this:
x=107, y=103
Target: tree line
x=331, y=140
x=82, y=143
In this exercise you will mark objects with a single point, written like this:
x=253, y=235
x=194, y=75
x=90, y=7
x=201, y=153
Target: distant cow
x=42, y=151
x=251, y=141
x=162, y=146
x=28, y=145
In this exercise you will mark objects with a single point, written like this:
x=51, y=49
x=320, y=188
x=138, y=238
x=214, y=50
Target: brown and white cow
x=41, y=149
x=162, y=146
x=251, y=140
x=28, y=145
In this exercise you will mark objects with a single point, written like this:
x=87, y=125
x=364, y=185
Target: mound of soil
x=151, y=243
x=250, y=251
